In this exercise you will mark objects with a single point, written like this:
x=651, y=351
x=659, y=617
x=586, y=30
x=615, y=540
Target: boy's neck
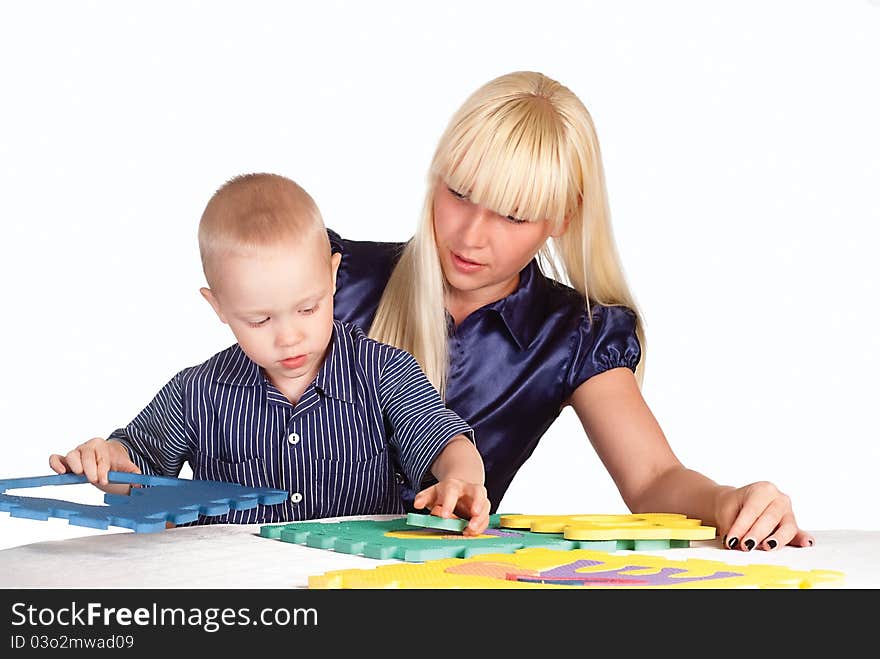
x=294, y=388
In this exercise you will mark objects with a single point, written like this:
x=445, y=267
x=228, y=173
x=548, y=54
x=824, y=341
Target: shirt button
x=296, y=497
x=293, y=438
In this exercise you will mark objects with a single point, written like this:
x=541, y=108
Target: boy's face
x=278, y=302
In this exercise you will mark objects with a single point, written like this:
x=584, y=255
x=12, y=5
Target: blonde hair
x=521, y=144
x=254, y=211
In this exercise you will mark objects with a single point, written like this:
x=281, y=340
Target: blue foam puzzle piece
x=161, y=499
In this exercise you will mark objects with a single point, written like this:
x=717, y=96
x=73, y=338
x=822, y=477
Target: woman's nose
x=474, y=231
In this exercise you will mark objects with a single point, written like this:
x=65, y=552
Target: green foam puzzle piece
x=388, y=539
x=435, y=522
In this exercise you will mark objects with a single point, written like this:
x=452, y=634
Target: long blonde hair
x=524, y=144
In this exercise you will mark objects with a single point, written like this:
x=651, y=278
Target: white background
x=740, y=142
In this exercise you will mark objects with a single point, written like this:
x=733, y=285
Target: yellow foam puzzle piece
x=644, y=526
x=580, y=568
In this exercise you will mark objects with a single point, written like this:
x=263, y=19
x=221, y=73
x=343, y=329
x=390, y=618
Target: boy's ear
x=335, y=260
x=208, y=294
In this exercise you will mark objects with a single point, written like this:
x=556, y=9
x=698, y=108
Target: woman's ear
x=558, y=233
x=208, y=294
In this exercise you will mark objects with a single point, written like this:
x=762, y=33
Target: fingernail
x=772, y=543
x=732, y=543
x=811, y=543
x=749, y=544
x=724, y=539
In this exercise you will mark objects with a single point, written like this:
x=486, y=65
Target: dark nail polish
x=811, y=543
x=724, y=539
x=732, y=543
x=772, y=543
x=749, y=544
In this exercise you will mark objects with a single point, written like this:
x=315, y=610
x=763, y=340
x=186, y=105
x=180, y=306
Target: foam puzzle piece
x=533, y=568
x=161, y=499
x=436, y=522
x=640, y=532
x=398, y=539
x=394, y=538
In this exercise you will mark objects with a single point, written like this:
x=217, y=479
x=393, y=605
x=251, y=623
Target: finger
x=479, y=519
x=765, y=525
x=803, y=539
x=425, y=498
x=57, y=464
x=73, y=461
x=447, y=503
x=89, y=464
x=781, y=535
x=102, y=466
x=753, y=500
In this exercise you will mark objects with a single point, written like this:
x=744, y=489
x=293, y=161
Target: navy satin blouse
x=514, y=363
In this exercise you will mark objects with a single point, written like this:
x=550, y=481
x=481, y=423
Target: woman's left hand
x=758, y=516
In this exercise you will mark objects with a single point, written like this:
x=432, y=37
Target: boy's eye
x=259, y=323
x=309, y=310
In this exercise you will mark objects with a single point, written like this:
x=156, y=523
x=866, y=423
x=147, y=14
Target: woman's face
x=480, y=250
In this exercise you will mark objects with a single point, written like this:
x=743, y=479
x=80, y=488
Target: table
x=235, y=556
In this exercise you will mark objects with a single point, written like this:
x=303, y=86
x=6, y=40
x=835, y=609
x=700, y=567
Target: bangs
x=513, y=159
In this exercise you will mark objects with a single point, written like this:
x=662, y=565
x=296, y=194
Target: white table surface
x=235, y=556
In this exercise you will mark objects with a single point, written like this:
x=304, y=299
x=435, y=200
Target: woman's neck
x=461, y=304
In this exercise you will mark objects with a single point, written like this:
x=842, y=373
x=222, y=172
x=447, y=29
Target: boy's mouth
x=293, y=362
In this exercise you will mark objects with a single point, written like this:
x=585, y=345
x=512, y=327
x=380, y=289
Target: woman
x=512, y=298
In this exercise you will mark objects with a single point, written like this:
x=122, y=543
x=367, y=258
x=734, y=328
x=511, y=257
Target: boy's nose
x=289, y=335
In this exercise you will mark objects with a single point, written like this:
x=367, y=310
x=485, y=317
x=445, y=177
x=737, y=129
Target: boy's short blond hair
x=255, y=211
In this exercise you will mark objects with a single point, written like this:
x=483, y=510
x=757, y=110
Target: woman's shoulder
x=560, y=298
x=363, y=272
x=365, y=250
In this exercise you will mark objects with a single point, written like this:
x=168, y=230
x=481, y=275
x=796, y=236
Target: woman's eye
x=515, y=220
x=456, y=194
x=259, y=323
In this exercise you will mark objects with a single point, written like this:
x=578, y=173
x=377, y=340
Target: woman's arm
x=634, y=450
x=650, y=478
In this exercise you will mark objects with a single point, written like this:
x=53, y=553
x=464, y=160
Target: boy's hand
x=95, y=458
x=452, y=497
x=758, y=516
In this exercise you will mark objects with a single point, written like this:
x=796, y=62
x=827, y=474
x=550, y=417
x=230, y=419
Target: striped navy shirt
x=369, y=411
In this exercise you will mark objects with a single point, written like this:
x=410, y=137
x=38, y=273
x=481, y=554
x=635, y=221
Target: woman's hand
x=758, y=516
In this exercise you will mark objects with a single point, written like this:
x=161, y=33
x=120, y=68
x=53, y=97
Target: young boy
x=301, y=402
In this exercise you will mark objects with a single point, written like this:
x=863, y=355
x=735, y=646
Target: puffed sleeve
x=608, y=341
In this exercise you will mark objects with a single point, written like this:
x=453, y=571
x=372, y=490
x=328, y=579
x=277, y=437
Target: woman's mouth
x=465, y=265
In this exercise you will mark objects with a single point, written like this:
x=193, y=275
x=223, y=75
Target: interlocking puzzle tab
x=399, y=539
x=161, y=499
x=580, y=568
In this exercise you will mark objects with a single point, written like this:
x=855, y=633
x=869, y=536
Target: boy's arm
x=422, y=425
x=430, y=436
x=459, y=459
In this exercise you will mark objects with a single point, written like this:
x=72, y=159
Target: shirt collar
x=334, y=378
x=523, y=310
